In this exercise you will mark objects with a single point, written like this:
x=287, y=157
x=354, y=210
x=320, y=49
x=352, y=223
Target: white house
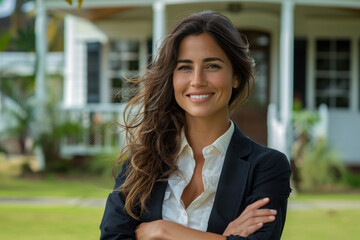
x=307, y=50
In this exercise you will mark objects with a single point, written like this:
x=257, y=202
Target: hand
x=251, y=219
x=155, y=230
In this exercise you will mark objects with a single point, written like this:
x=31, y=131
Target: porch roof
x=51, y=4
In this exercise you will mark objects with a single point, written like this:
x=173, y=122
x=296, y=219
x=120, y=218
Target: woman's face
x=203, y=78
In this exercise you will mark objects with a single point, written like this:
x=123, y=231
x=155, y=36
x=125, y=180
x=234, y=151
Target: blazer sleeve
x=271, y=178
x=116, y=223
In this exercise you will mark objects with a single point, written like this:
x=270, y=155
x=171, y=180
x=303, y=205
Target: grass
x=305, y=197
x=79, y=184
x=322, y=224
x=99, y=187
x=28, y=188
x=56, y=223
x=62, y=222
x=20, y=222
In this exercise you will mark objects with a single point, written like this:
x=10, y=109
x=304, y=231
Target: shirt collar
x=184, y=141
x=221, y=143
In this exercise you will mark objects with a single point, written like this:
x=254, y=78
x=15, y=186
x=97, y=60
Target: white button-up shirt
x=197, y=214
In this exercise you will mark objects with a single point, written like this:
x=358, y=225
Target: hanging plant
x=79, y=3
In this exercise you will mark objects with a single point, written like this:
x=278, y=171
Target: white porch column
x=286, y=70
x=159, y=24
x=40, y=89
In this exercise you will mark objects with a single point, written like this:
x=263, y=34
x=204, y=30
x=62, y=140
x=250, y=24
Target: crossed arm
x=251, y=219
x=254, y=222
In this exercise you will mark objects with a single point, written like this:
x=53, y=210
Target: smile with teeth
x=200, y=96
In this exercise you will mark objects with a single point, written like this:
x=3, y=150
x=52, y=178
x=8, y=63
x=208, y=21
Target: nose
x=198, y=78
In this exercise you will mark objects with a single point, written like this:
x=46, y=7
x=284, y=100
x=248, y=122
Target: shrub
x=351, y=179
x=102, y=164
x=321, y=167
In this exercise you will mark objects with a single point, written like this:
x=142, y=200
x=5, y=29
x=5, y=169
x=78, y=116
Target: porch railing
x=99, y=130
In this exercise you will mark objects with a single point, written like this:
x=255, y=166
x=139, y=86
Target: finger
x=253, y=221
x=255, y=216
x=263, y=212
x=258, y=204
x=252, y=225
x=251, y=229
x=255, y=213
x=248, y=230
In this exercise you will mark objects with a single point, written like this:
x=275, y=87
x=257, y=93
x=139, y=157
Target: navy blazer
x=250, y=172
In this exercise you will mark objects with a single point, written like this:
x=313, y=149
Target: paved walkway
x=82, y=202
x=299, y=205
x=100, y=202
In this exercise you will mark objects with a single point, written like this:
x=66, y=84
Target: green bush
x=103, y=164
x=321, y=168
x=351, y=179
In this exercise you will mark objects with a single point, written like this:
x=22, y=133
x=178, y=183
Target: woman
x=190, y=173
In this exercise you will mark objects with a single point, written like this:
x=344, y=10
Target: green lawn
x=19, y=222
x=29, y=222
x=305, y=197
x=322, y=225
x=27, y=188
x=43, y=223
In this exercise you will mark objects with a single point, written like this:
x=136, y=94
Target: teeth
x=199, y=96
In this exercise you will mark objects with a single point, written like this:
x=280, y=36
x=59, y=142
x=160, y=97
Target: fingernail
x=266, y=199
x=273, y=211
x=260, y=224
x=271, y=217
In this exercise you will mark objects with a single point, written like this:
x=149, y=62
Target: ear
x=235, y=82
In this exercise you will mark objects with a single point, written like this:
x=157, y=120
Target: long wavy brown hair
x=153, y=120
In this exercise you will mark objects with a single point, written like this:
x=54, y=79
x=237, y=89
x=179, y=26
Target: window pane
x=343, y=64
x=322, y=83
x=320, y=100
x=116, y=82
x=323, y=45
x=116, y=96
x=134, y=65
x=323, y=64
x=342, y=45
x=115, y=65
x=133, y=46
x=342, y=83
x=342, y=102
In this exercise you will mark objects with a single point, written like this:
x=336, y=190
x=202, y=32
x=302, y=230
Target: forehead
x=200, y=46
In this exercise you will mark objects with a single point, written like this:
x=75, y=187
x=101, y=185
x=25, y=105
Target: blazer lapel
x=154, y=206
x=232, y=183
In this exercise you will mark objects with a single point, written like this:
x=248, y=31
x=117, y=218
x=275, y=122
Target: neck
x=203, y=132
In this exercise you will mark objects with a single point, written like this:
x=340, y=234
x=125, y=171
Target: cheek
x=224, y=82
x=178, y=83
x=176, y=88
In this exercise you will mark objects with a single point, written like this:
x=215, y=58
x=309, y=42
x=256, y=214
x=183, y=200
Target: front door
x=251, y=118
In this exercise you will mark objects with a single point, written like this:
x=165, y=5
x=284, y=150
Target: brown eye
x=184, y=68
x=213, y=66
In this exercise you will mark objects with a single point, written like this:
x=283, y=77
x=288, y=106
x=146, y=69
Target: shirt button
x=184, y=218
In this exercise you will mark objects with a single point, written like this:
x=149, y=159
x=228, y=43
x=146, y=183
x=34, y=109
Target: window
x=333, y=72
x=124, y=64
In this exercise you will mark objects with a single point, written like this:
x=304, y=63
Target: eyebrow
x=205, y=60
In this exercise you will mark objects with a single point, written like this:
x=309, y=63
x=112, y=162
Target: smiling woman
x=190, y=173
